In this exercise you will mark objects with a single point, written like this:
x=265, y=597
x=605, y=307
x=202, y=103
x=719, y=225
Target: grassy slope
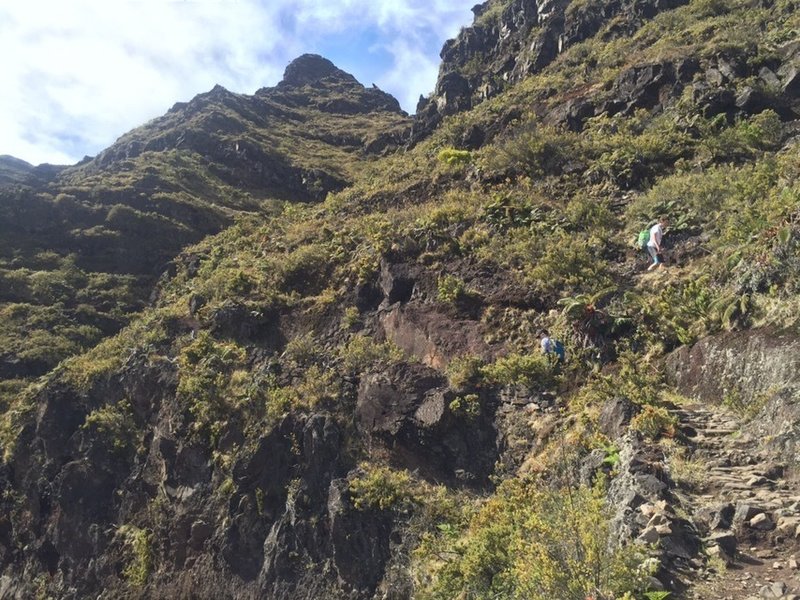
x=78, y=257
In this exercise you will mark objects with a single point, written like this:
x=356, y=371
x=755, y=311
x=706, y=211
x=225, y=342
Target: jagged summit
x=236, y=134
x=310, y=69
x=314, y=81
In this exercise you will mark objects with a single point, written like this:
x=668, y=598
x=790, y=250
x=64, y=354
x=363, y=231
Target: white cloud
x=413, y=73
x=77, y=74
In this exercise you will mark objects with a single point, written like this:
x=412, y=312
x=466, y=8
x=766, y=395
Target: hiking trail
x=742, y=503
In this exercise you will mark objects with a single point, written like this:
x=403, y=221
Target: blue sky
x=77, y=74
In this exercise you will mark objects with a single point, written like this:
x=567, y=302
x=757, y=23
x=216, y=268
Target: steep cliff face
x=111, y=478
x=511, y=40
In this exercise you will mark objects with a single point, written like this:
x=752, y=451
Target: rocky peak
x=312, y=81
x=512, y=39
x=13, y=170
x=311, y=69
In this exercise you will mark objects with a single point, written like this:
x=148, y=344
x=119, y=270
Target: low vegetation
x=530, y=540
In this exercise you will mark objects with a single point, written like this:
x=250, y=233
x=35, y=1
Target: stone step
x=717, y=432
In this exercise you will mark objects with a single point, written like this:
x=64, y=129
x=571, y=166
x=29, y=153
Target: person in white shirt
x=654, y=243
x=552, y=348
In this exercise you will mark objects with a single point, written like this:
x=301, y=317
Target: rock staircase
x=743, y=503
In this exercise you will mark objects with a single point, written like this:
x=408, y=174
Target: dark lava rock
x=407, y=408
x=616, y=415
x=312, y=68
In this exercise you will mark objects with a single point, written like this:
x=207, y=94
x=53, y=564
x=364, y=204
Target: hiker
x=552, y=348
x=654, y=243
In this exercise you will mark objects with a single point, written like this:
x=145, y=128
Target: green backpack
x=644, y=237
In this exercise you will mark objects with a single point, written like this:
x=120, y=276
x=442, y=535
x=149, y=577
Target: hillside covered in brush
x=82, y=246
x=287, y=345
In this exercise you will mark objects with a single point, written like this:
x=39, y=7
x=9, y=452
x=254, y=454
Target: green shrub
x=281, y=400
x=591, y=215
x=382, y=488
x=534, y=371
x=534, y=542
x=314, y=385
x=451, y=289
x=680, y=313
x=568, y=263
x=454, y=158
x=468, y=406
x=115, y=423
x=464, y=372
x=655, y=422
x=635, y=379
x=138, y=547
x=612, y=455
x=533, y=150
x=307, y=269
x=745, y=139
x=239, y=284
x=302, y=350
x=362, y=353
x=350, y=317
x=207, y=385
x=505, y=211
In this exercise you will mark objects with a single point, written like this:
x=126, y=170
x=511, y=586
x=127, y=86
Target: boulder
x=773, y=590
x=645, y=86
x=726, y=542
x=407, y=409
x=762, y=522
x=718, y=516
x=359, y=540
x=744, y=512
x=397, y=281
x=615, y=416
x=790, y=78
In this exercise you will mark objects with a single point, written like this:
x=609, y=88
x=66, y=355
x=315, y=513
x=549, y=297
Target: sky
x=77, y=74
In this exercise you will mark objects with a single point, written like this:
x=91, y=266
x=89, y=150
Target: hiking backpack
x=558, y=349
x=644, y=237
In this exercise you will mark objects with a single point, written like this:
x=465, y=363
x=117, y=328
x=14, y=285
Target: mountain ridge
x=126, y=213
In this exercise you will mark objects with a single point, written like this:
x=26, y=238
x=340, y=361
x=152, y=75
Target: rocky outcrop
x=744, y=365
x=434, y=337
x=409, y=410
x=645, y=509
x=512, y=40
x=236, y=134
x=320, y=79
x=286, y=506
x=755, y=371
x=278, y=522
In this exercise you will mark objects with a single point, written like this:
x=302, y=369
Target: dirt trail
x=740, y=499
